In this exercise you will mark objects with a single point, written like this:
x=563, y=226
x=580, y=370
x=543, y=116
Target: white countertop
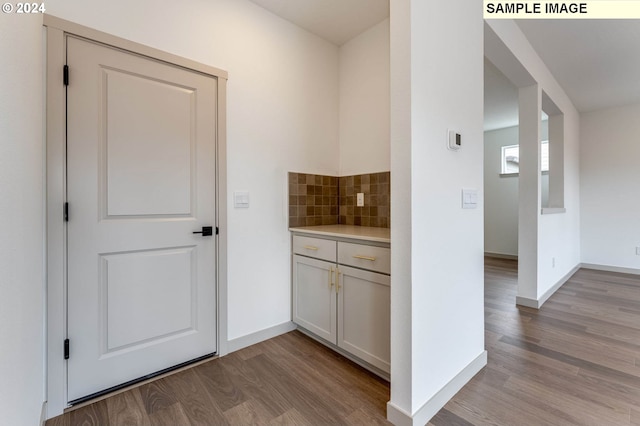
x=366, y=233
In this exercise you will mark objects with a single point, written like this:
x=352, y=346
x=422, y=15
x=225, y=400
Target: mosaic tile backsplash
x=329, y=200
x=313, y=200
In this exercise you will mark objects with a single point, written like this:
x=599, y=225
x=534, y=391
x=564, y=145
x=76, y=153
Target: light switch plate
x=241, y=199
x=360, y=199
x=469, y=198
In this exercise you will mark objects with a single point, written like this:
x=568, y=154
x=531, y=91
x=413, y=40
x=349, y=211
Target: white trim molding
x=610, y=268
x=553, y=210
x=260, y=336
x=501, y=255
x=537, y=304
x=56, y=31
x=69, y=27
x=43, y=413
x=528, y=302
x=423, y=415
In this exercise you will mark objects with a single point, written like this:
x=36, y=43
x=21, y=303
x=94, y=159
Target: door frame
x=55, y=32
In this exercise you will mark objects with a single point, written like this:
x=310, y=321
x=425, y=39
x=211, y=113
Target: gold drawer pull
x=357, y=256
x=311, y=247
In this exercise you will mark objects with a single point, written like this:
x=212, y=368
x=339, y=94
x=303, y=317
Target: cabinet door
x=314, y=298
x=364, y=317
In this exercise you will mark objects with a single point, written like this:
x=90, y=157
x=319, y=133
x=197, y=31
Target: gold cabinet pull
x=357, y=256
x=330, y=277
x=338, y=286
x=311, y=247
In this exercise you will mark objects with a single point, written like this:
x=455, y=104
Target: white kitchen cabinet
x=341, y=294
x=314, y=299
x=364, y=310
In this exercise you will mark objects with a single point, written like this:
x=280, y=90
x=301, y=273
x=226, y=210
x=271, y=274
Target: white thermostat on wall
x=455, y=140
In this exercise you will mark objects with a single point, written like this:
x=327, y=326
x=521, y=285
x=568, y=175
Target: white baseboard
x=609, y=268
x=398, y=416
x=421, y=417
x=43, y=413
x=259, y=336
x=501, y=255
x=537, y=303
x=547, y=294
x=528, y=302
x=553, y=210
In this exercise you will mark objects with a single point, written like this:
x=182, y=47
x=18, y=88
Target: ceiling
x=597, y=62
x=335, y=20
x=500, y=99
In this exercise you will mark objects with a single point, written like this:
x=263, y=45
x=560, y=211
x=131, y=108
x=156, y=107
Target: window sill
x=553, y=210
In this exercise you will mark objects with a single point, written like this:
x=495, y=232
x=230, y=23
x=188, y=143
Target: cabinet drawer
x=366, y=257
x=315, y=247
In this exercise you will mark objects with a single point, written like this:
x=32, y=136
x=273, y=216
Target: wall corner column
x=529, y=188
x=401, y=233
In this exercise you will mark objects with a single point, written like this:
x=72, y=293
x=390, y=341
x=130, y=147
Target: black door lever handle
x=206, y=231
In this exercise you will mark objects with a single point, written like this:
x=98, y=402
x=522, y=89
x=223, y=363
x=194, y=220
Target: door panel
x=160, y=278
x=364, y=315
x=149, y=151
x=141, y=293
x=314, y=306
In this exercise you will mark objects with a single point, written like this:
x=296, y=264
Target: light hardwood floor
x=576, y=361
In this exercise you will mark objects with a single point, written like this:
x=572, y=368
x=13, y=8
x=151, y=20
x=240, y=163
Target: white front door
x=140, y=180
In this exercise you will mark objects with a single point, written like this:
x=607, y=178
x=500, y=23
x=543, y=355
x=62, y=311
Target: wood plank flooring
x=289, y=380
x=576, y=361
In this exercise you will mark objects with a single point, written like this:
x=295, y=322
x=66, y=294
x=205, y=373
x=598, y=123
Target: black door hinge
x=217, y=230
x=66, y=212
x=66, y=348
x=65, y=75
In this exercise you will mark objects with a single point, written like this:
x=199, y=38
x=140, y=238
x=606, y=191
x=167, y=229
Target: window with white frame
x=511, y=158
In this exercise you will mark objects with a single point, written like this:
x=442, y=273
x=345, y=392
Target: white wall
x=21, y=227
x=447, y=241
x=558, y=235
x=282, y=116
x=609, y=176
x=501, y=193
x=364, y=102
x=437, y=304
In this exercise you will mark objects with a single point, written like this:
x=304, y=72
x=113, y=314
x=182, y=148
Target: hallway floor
x=576, y=361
